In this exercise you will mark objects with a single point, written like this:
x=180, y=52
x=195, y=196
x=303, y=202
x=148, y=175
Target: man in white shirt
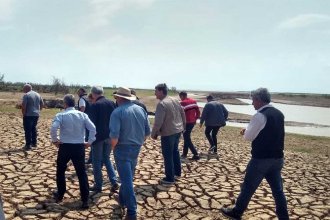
x=266, y=131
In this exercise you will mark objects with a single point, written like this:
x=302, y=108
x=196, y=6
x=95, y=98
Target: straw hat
x=124, y=93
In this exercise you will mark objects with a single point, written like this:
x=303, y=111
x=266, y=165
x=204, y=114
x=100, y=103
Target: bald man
x=31, y=106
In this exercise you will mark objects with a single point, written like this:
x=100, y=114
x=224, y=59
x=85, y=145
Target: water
x=319, y=116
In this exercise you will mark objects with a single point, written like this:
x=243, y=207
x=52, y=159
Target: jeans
x=30, y=128
x=170, y=151
x=101, y=155
x=126, y=160
x=211, y=135
x=257, y=169
x=75, y=153
x=187, y=140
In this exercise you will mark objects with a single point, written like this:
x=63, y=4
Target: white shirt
x=257, y=123
x=82, y=103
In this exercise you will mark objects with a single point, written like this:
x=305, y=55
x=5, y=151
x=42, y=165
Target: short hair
x=98, y=90
x=162, y=87
x=261, y=94
x=83, y=90
x=27, y=86
x=183, y=93
x=209, y=97
x=69, y=100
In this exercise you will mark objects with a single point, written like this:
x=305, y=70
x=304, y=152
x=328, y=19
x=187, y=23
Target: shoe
x=195, y=157
x=57, y=197
x=95, y=189
x=85, y=205
x=165, y=181
x=211, y=149
x=230, y=213
x=177, y=178
x=114, y=188
x=27, y=147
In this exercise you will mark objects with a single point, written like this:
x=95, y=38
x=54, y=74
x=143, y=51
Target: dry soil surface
x=27, y=180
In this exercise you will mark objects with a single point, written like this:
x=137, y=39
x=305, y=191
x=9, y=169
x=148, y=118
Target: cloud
x=103, y=10
x=304, y=20
x=6, y=10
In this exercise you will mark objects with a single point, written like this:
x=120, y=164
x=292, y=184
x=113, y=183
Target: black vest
x=270, y=141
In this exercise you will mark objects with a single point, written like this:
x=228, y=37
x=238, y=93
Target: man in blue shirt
x=31, y=105
x=129, y=127
x=72, y=124
x=100, y=112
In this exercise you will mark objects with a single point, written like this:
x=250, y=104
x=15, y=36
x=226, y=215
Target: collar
x=69, y=108
x=265, y=106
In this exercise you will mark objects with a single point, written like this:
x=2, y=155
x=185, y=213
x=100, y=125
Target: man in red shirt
x=192, y=112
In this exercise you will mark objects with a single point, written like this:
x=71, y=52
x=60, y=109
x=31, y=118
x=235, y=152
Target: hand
x=87, y=145
x=57, y=143
x=242, y=131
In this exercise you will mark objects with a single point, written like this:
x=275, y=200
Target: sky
x=210, y=45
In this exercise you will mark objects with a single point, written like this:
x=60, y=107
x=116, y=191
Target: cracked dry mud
x=28, y=178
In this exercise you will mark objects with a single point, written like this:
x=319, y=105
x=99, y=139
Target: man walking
x=214, y=115
x=170, y=121
x=129, y=127
x=71, y=146
x=266, y=131
x=192, y=113
x=31, y=107
x=100, y=112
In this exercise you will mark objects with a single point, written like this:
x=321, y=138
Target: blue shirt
x=72, y=124
x=129, y=124
x=32, y=102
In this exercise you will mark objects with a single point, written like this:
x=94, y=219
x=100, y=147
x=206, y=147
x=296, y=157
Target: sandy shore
x=28, y=178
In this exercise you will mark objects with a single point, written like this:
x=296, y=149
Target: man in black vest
x=266, y=131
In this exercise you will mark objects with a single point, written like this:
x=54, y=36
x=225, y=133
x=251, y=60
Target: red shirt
x=191, y=110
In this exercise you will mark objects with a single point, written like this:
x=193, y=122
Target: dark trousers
x=256, y=171
x=187, y=140
x=75, y=153
x=171, y=154
x=30, y=129
x=211, y=135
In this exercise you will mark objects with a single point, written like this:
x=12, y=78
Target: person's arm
x=53, y=130
x=225, y=112
x=41, y=103
x=24, y=102
x=204, y=114
x=114, y=126
x=89, y=125
x=183, y=116
x=257, y=123
x=159, y=120
x=82, y=105
x=147, y=127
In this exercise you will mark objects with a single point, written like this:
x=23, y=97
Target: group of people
x=123, y=127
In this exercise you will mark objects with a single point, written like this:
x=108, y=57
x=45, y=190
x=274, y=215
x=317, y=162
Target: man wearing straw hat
x=129, y=128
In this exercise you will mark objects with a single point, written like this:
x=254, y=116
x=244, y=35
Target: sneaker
x=57, y=197
x=211, y=149
x=85, y=205
x=95, y=189
x=165, y=181
x=230, y=213
x=183, y=156
x=114, y=188
x=27, y=147
x=195, y=157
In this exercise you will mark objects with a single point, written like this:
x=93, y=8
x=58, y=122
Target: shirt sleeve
x=204, y=113
x=225, y=112
x=147, y=126
x=114, y=125
x=257, y=123
x=24, y=100
x=183, y=116
x=82, y=102
x=159, y=120
x=55, y=126
x=91, y=128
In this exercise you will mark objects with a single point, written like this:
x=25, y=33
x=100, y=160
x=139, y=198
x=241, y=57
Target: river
x=318, y=117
